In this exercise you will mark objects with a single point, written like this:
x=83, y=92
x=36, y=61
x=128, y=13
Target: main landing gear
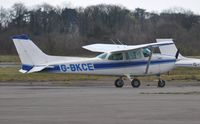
x=119, y=83
x=135, y=83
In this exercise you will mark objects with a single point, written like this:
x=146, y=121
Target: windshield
x=102, y=56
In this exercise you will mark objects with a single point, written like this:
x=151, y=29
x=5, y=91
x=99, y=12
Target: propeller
x=177, y=53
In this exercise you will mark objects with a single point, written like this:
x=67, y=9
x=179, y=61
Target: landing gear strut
x=119, y=83
x=134, y=82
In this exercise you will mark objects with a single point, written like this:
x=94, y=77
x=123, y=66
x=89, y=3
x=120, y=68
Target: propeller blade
x=177, y=53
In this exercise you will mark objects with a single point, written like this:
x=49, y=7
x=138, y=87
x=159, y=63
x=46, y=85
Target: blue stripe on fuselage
x=54, y=68
x=107, y=65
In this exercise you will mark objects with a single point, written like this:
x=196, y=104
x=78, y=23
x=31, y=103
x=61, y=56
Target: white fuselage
x=159, y=64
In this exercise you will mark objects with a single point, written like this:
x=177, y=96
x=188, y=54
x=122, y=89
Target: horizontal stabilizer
x=37, y=69
x=23, y=71
x=31, y=69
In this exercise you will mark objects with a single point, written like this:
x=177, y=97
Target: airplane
x=181, y=61
x=129, y=61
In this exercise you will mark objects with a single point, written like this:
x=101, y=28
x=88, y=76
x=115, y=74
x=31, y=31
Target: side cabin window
x=134, y=54
x=116, y=56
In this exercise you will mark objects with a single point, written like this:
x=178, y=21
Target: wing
x=119, y=48
x=104, y=47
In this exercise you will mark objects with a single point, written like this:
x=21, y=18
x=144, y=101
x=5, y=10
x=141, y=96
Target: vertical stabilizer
x=29, y=54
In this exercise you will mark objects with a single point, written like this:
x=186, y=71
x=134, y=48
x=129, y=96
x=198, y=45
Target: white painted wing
x=118, y=48
x=104, y=47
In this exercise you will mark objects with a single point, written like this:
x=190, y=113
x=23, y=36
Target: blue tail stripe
x=27, y=67
x=128, y=64
x=22, y=37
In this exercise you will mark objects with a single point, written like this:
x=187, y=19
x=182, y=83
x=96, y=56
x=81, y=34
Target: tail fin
x=170, y=50
x=30, y=55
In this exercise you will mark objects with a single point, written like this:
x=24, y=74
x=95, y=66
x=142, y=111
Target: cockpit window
x=146, y=52
x=134, y=54
x=102, y=56
x=115, y=56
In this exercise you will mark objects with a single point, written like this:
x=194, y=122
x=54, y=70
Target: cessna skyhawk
x=128, y=61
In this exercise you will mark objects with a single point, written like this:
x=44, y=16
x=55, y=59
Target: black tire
x=119, y=83
x=135, y=83
x=161, y=83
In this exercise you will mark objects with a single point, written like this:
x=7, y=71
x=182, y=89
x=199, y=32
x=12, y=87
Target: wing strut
x=149, y=60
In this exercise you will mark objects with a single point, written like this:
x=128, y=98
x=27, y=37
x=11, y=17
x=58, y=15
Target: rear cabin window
x=134, y=54
x=115, y=56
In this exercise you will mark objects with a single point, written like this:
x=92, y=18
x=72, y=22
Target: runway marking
x=175, y=93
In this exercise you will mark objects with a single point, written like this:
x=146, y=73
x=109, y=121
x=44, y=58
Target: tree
x=64, y=30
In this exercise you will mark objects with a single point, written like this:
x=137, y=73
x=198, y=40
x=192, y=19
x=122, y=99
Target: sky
x=149, y=5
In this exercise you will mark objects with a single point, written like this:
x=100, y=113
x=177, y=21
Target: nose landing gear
x=161, y=83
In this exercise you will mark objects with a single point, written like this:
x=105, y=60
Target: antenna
x=112, y=41
x=120, y=42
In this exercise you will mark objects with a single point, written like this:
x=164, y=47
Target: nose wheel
x=161, y=83
x=119, y=83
